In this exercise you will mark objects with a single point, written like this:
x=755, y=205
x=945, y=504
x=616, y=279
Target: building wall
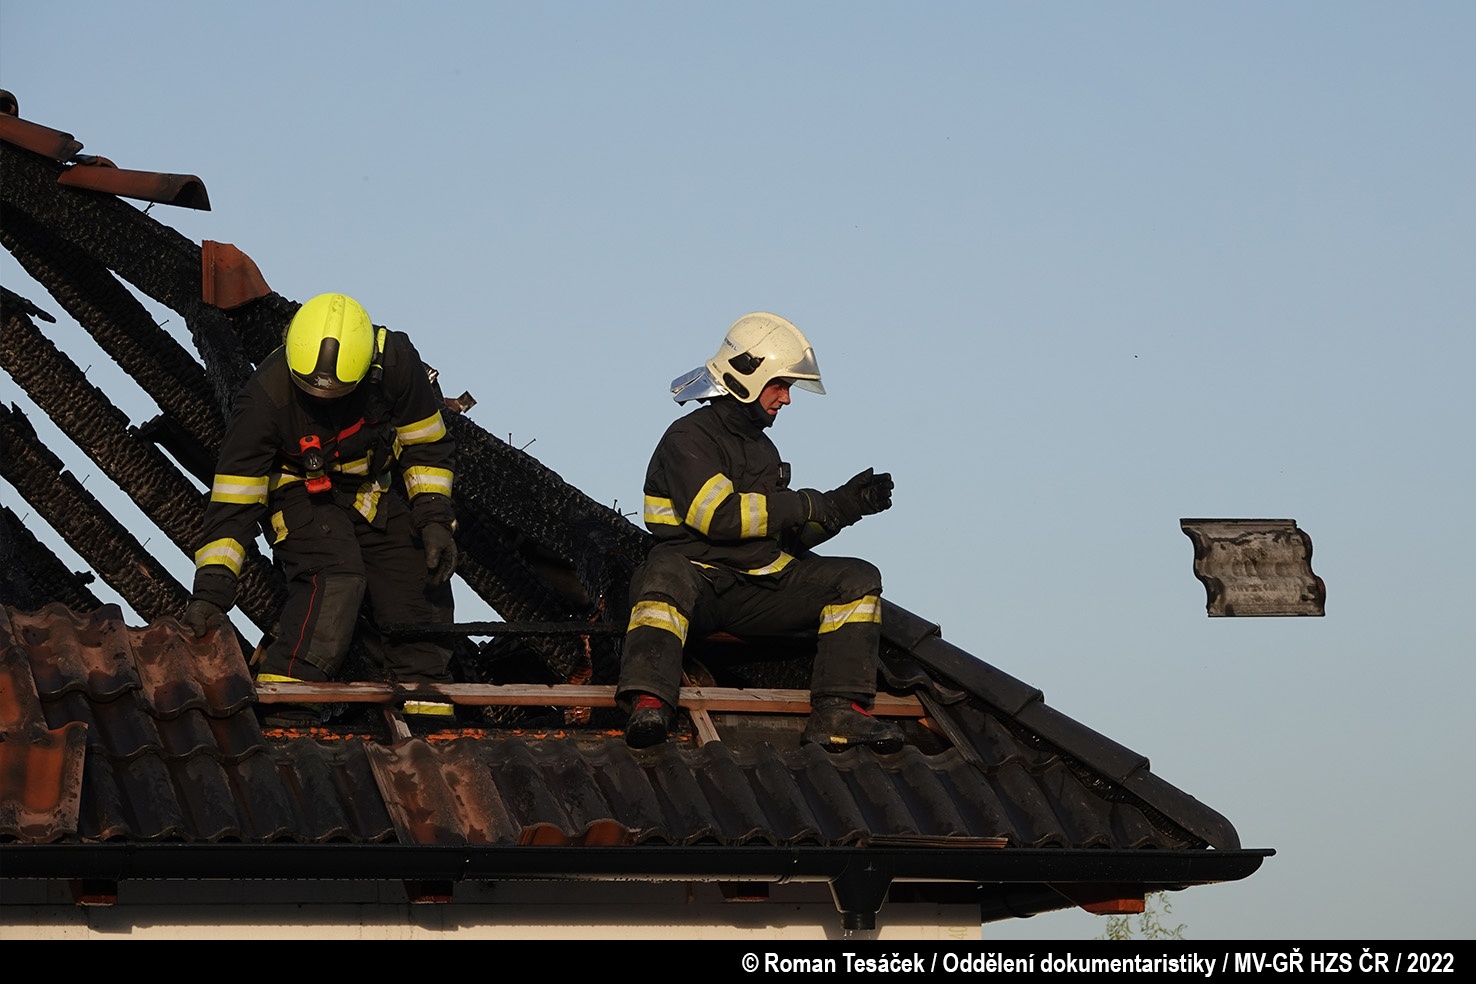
x=531, y=910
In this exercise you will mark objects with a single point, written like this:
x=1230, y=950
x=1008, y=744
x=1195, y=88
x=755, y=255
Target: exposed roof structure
x=135, y=752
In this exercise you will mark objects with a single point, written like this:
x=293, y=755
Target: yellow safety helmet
x=330, y=345
x=760, y=348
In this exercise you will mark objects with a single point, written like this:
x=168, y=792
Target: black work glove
x=864, y=495
x=440, y=552
x=200, y=616
x=823, y=511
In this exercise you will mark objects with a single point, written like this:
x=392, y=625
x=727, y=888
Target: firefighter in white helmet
x=310, y=448
x=732, y=543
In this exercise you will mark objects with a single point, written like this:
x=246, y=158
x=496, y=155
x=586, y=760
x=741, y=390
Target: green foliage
x=1148, y=925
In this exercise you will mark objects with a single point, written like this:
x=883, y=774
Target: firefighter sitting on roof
x=310, y=444
x=731, y=546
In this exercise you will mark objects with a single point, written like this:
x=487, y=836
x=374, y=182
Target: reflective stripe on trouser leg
x=665, y=592
x=848, y=647
x=835, y=617
x=651, y=663
x=659, y=615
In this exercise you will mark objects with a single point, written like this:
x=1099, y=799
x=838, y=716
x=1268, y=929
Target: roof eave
x=1024, y=881
x=660, y=862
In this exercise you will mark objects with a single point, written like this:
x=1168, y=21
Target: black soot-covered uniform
x=319, y=472
x=728, y=557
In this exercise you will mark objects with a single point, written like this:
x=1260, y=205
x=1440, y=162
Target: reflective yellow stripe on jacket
x=704, y=505
x=780, y=562
x=660, y=512
x=245, y=490
x=366, y=499
x=753, y=513
x=432, y=428
x=424, y=478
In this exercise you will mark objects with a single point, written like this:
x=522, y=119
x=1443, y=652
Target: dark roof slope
x=125, y=738
x=174, y=752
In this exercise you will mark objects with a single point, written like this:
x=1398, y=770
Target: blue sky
x=1072, y=271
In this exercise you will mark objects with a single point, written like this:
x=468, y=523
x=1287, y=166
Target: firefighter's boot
x=838, y=723
x=650, y=722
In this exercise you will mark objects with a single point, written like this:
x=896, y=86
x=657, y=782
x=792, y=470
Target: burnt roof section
x=135, y=753
x=157, y=728
x=129, y=737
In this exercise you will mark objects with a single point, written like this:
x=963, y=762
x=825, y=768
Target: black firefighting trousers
x=834, y=598
x=330, y=557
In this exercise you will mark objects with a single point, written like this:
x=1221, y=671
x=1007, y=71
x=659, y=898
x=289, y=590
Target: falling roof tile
x=1255, y=567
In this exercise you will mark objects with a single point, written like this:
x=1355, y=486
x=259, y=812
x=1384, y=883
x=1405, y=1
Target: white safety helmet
x=757, y=349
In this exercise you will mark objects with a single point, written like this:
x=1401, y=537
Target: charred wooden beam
x=143, y=251
x=31, y=576
x=102, y=432
x=120, y=324
x=84, y=523
x=146, y=253
x=515, y=491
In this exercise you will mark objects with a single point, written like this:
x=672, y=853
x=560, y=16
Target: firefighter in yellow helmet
x=308, y=456
x=732, y=543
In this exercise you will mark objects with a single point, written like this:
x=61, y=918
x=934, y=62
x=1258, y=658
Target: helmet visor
x=805, y=372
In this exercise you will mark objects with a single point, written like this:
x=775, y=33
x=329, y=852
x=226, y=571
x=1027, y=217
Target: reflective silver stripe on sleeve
x=425, y=431
x=424, y=478
x=753, y=507
x=240, y=489
x=660, y=512
x=225, y=552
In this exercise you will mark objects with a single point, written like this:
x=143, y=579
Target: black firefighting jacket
x=284, y=448
x=717, y=492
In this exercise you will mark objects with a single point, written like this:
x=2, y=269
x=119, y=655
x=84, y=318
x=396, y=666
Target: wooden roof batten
x=738, y=699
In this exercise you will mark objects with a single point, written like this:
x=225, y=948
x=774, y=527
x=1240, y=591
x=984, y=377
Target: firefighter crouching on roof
x=731, y=546
x=310, y=444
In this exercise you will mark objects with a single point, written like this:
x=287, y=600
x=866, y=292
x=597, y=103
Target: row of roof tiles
x=147, y=734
